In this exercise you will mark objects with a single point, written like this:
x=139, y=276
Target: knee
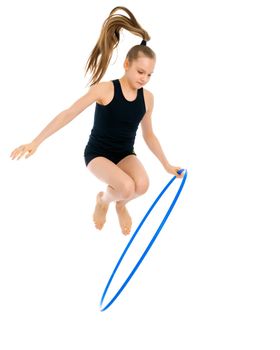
x=142, y=186
x=127, y=189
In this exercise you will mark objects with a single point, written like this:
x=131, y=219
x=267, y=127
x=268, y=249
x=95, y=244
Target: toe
x=126, y=230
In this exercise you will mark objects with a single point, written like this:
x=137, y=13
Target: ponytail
x=109, y=38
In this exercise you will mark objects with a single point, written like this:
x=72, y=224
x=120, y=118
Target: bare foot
x=124, y=219
x=100, y=211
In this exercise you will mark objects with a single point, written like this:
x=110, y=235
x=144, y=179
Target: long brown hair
x=109, y=38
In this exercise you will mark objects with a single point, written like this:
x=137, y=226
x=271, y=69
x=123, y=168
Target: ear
x=126, y=64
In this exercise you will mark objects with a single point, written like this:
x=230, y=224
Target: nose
x=144, y=80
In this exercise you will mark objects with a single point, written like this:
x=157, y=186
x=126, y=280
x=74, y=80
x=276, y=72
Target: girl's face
x=139, y=71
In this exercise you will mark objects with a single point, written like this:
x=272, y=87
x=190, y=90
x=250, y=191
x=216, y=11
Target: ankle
x=120, y=204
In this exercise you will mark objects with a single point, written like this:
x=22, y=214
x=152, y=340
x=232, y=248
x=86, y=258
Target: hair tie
x=143, y=42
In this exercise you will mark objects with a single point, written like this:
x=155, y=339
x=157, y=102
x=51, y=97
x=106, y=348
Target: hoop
x=149, y=245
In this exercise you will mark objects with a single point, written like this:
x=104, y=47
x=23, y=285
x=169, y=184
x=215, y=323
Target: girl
x=121, y=105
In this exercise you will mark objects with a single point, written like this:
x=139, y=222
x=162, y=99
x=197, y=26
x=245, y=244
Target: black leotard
x=115, y=126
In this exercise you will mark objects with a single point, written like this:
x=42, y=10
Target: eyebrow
x=139, y=68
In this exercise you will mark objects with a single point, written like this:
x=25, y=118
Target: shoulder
x=105, y=86
x=148, y=94
x=149, y=99
x=103, y=91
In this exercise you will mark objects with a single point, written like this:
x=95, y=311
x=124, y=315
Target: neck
x=126, y=85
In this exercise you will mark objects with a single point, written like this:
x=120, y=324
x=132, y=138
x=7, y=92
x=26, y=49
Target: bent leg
x=132, y=166
x=120, y=187
x=120, y=184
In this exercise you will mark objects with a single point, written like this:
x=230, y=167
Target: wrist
x=166, y=165
x=35, y=143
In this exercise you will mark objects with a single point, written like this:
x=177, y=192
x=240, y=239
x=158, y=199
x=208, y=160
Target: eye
x=140, y=72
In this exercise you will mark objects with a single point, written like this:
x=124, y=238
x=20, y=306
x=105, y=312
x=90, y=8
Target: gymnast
x=121, y=105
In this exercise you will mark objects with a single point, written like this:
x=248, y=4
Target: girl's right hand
x=26, y=150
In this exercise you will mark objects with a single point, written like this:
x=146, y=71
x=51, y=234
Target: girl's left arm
x=151, y=139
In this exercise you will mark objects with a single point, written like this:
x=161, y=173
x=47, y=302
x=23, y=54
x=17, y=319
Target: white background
x=211, y=281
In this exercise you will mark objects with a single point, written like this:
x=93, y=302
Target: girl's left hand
x=174, y=170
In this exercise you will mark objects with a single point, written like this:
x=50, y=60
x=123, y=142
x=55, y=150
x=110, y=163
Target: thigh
x=108, y=172
x=132, y=166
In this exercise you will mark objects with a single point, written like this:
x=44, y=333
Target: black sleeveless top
x=115, y=124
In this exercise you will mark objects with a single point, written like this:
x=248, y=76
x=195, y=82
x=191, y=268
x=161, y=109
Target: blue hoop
x=149, y=245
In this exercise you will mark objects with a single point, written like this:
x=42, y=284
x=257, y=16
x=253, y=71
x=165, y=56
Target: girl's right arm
x=94, y=93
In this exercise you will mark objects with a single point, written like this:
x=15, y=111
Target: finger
x=12, y=155
x=181, y=173
x=21, y=154
x=29, y=154
x=15, y=154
